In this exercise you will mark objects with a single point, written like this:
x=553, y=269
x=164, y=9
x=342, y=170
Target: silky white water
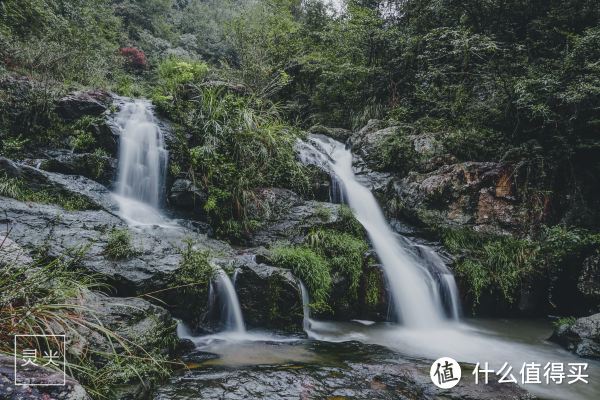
x=142, y=164
x=414, y=291
x=231, y=312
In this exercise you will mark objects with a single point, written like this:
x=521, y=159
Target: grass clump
x=492, y=262
x=568, y=321
x=309, y=267
x=195, y=267
x=119, y=246
x=18, y=189
x=344, y=254
x=44, y=298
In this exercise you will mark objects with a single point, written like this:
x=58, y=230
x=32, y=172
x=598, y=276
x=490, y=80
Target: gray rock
x=72, y=390
x=339, y=134
x=321, y=370
x=186, y=196
x=143, y=327
x=581, y=337
x=98, y=167
x=78, y=104
x=270, y=297
x=82, y=236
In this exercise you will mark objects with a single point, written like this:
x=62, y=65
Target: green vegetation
x=325, y=254
x=46, y=297
x=501, y=264
x=196, y=269
x=119, y=246
x=309, y=267
x=569, y=321
x=46, y=194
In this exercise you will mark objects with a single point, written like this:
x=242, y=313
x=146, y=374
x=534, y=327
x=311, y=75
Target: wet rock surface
x=270, y=297
x=287, y=217
x=582, y=337
x=477, y=194
x=72, y=390
x=78, y=104
x=98, y=167
x=319, y=370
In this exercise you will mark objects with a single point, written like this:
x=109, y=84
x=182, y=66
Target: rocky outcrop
x=270, y=297
x=581, y=336
x=99, y=167
x=287, y=217
x=321, y=370
x=77, y=104
x=71, y=390
x=339, y=134
x=477, y=194
x=186, y=196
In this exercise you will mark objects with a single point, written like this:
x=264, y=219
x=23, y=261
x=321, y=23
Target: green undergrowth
x=325, y=255
x=18, y=189
x=44, y=298
x=502, y=264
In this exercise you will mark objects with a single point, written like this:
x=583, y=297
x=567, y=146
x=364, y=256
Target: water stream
x=415, y=292
x=230, y=310
x=142, y=164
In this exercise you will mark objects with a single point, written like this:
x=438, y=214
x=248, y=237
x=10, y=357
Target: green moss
x=119, y=246
x=348, y=223
x=568, y=321
x=18, y=189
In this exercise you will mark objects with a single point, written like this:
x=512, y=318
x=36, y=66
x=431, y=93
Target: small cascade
x=222, y=293
x=306, y=321
x=417, y=298
x=142, y=163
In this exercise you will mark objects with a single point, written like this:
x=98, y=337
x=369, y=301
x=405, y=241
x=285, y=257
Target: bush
x=135, y=58
x=119, y=246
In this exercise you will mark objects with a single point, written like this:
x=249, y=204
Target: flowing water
x=415, y=292
x=424, y=291
x=231, y=312
x=142, y=164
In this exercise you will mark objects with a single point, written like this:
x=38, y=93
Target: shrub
x=135, y=58
x=119, y=246
x=195, y=267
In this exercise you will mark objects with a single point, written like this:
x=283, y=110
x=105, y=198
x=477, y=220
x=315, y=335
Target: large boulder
x=71, y=390
x=581, y=336
x=76, y=105
x=270, y=297
x=97, y=166
x=186, y=196
x=286, y=217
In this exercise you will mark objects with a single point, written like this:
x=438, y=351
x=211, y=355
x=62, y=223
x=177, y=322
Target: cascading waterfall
x=142, y=163
x=230, y=310
x=415, y=293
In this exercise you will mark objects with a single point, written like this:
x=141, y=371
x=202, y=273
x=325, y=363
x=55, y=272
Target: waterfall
x=142, y=163
x=306, y=322
x=231, y=312
x=415, y=292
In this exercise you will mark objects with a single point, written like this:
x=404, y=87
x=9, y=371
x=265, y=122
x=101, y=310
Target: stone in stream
x=582, y=337
x=320, y=370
